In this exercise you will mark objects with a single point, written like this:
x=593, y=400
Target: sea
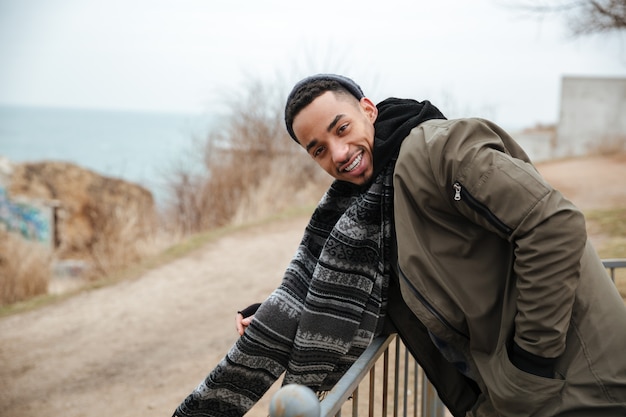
x=139, y=147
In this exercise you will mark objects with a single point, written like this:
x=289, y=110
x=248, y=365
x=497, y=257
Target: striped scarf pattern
x=332, y=300
x=328, y=308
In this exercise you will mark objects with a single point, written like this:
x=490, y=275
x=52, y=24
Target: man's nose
x=339, y=152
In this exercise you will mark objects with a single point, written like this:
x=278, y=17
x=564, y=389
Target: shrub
x=248, y=153
x=25, y=268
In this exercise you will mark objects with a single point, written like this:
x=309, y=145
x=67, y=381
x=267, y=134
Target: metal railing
x=613, y=264
x=396, y=386
x=401, y=390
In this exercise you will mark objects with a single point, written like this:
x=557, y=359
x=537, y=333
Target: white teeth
x=356, y=162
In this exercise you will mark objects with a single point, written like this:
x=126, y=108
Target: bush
x=25, y=268
x=246, y=167
x=124, y=237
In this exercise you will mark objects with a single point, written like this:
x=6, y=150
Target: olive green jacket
x=491, y=259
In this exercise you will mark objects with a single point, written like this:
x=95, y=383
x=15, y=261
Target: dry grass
x=123, y=240
x=611, y=223
x=246, y=168
x=24, y=268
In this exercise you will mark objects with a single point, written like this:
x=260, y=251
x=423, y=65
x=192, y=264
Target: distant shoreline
x=138, y=147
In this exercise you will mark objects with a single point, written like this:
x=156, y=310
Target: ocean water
x=135, y=146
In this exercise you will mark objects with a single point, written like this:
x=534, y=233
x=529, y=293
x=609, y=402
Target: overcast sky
x=471, y=58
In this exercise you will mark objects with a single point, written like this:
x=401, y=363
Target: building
x=592, y=116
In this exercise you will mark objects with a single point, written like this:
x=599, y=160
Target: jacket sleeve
x=506, y=195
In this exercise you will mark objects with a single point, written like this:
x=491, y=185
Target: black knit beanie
x=345, y=82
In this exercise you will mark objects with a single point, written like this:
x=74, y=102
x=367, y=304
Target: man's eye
x=342, y=128
x=318, y=151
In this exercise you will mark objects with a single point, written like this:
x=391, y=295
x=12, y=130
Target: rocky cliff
x=96, y=216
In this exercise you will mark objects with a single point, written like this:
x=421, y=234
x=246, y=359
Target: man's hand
x=244, y=317
x=243, y=323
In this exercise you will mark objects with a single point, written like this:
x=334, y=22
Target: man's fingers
x=239, y=323
x=242, y=323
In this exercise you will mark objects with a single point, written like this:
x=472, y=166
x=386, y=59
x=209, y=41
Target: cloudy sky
x=472, y=58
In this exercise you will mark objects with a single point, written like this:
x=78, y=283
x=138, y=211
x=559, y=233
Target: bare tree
x=584, y=17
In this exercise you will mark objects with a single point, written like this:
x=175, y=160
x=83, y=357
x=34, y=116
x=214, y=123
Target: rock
x=93, y=212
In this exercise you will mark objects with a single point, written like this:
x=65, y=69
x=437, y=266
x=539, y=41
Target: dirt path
x=137, y=348
x=592, y=182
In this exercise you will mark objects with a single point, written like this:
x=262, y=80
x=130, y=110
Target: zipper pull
x=457, y=191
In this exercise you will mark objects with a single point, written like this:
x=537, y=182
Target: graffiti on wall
x=30, y=220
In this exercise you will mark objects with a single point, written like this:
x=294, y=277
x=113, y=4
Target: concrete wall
x=592, y=116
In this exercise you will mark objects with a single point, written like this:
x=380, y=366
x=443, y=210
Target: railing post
x=295, y=401
x=431, y=405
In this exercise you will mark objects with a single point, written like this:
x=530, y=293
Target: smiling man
x=443, y=231
x=344, y=146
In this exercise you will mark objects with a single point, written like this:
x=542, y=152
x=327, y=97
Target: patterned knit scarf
x=331, y=302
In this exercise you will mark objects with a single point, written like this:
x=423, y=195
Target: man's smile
x=355, y=163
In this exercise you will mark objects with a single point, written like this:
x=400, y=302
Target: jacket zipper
x=460, y=193
x=429, y=307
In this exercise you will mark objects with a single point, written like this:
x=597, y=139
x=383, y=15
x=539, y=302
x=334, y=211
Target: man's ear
x=370, y=109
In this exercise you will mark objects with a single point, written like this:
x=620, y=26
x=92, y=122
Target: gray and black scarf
x=332, y=300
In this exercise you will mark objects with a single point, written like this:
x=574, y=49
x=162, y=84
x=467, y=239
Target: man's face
x=338, y=132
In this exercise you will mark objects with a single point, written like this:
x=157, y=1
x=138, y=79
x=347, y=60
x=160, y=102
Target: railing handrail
x=344, y=388
x=612, y=264
x=348, y=385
